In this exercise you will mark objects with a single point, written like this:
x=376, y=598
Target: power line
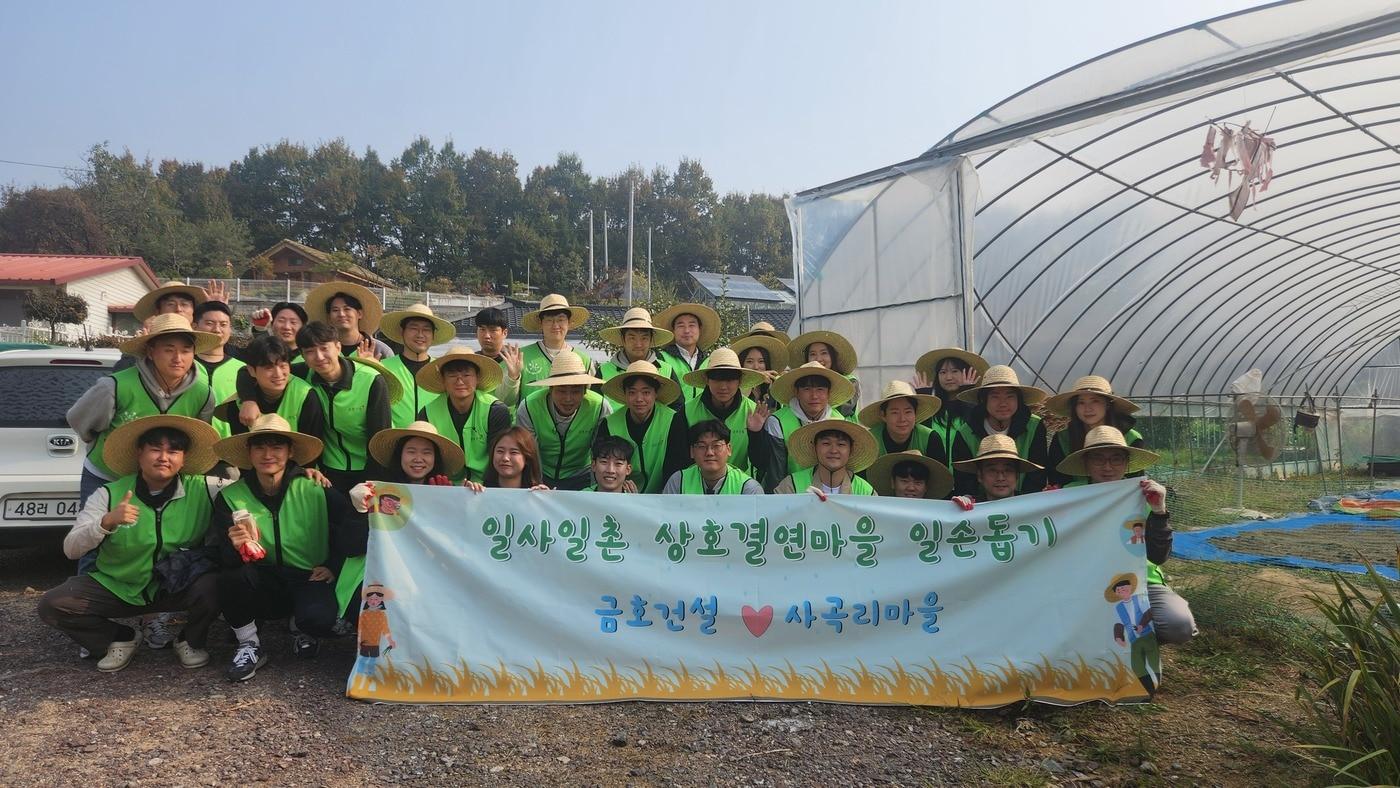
x=45, y=166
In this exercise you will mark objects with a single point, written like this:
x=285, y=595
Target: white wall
x=124, y=288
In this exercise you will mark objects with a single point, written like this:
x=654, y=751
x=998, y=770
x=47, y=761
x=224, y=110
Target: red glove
x=252, y=551
x=440, y=481
x=964, y=501
x=1051, y=487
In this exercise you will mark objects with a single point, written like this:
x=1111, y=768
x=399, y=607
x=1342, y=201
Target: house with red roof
x=110, y=285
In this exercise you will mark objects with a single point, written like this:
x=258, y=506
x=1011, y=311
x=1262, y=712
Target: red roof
x=59, y=269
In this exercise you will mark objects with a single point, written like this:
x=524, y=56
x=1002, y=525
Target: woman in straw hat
x=416, y=454
x=284, y=542
x=722, y=384
x=553, y=320
x=1107, y=457
x=467, y=414
x=354, y=312
x=766, y=355
x=910, y=474
x=417, y=329
x=809, y=393
x=998, y=469
x=1088, y=404
x=284, y=319
x=832, y=351
x=637, y=340
x=657, y=434
x=945, y=373
x=895, y=419
x=158, y=505
x=830, y=452
x=696, y=329
x=1001, y=406
x=563, y=416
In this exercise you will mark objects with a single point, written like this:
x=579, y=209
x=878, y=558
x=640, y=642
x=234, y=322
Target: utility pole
x=605, y=242
x=648, y=265
x=527, y=277
x=590, y=248
x=631, y=204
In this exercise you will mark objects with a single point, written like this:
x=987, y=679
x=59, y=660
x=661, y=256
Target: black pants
x=256, y=591
x=83, y=609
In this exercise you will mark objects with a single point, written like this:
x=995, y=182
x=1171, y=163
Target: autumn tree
x=54, y=306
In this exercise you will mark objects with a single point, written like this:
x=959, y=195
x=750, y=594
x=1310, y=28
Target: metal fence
x=255, y=293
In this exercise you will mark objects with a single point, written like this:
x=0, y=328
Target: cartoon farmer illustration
x=374, y=629
x=1133, y=628
x=1138, y=529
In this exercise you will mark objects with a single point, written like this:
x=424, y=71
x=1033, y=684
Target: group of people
x=234, y=482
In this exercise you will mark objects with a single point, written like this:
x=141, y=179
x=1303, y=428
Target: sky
x=769, y=96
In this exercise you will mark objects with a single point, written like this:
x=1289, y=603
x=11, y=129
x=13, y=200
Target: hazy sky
x=770, y=96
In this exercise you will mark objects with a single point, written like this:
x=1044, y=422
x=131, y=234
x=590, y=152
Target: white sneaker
x=190, y=656
x=119, y=654
x=159, y=630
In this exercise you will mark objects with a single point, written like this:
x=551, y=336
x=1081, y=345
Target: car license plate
x=41, y=508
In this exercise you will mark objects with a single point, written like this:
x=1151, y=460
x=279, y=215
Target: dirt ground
x=1335, y=542
x=158, y=724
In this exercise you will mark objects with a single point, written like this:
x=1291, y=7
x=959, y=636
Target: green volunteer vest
x=134, y=402
x=1154, y=571
x=734, y=479
x=535, y=365
x=738, y=424
x=917, y=441
x=474, y=435
x=223, y=382
x=787, y=419
x=415, y=398
x=126, y=559
x=1023, y=445
x=346, y=442
x=802, y=479
x=950, y=427
x=569, y=455
x=298, y=533
x=676, y=367
x=289, y=407
x=648, y=458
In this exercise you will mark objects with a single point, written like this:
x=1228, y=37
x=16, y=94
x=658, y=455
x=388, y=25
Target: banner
x=538, y=597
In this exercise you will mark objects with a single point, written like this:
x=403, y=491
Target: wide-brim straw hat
x=667, y=390
x=845, y=351
x=146, y=305
x=391, y=325
x=880, y=474
x=371, y=311
x=1125, y=577
x=381, y=446
x=391, y=381
x=234, y=449
x=1089, y=384
x=723, y=359
x=928, y=362
x=1106, y=437
x=802, y=443
x=709, y=321
x=774, y=347
x=568, y=370
x=925, y=405
x=554, y=303
x=637, y=318
x=165, y=325
x=119, y=451
x=488, y=371
x=997, y=447
x=841, y=388
x=765, y=329
x=1002, y=377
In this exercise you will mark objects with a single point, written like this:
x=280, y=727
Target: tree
x=54, y=307
x=53, y=221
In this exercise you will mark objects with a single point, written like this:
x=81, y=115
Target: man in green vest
x=563, y=414
x=896, y=418
x=710, y=472
x=138, y=524
x=220, y=367
x=354, y=398
x=636, y=339
x=809, y=393
x=722, y=385
x=417, y=329
x=554, y=320
x=466, y=413
x=657, y=434
x=283, y=540
x=275, y=389
x=612, y=466
x=492, y=331
x=909, y=474
x=1001, y=406
x=829, y=454
x=696, y=329
x=998, y=468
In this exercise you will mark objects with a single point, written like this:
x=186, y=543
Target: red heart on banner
x=759, y=620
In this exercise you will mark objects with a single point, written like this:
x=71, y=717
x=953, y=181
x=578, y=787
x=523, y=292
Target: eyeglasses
x=706, y=448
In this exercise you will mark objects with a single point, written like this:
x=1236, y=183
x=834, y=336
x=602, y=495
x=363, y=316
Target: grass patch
x=1014, y=776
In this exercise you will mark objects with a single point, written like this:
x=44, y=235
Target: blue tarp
x=1196, y=545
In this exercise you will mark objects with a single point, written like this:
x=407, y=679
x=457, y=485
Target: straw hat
x=802, y=443
x=709, y=320
x=667, y=390
x=775, y=348
x=234, y=449
x=166, y=324
x=880, y=474
x=1089, y=384
x=845, y=351
x=318, y=307
x=765, y=329
x=381, y=446
x=841, y=389
x=1003, y=377
x=119, y=452
x=554, y=303
x=146, y=305
x=637, y=317
x=723, y=358
x=392, y=324
x=1126, y=577
x=1106, y=437
x=996, y=447
x=391, y=380
x=568, y=370
x=925, y=405
x=488, y=372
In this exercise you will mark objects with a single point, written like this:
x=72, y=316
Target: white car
x=41, y=459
